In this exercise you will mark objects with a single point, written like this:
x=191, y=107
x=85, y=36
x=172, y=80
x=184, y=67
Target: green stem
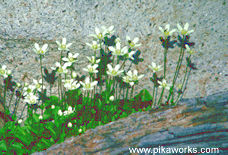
x=178, y=99
x=11, y=97
x=5, y=90
x=42, y=82
x=153, y=104
x=4, y=101
x=177, y=70
x=127, y=94
x=156, y=91
x=165, y=58
x=161, y=96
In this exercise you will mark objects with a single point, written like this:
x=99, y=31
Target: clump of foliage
x=104, y=94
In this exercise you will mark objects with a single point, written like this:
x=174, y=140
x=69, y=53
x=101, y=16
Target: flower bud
x=60, y=113
x=69, y=125
x=111, y=98
x=40, y=117
x=19, y=121
x=53, y=107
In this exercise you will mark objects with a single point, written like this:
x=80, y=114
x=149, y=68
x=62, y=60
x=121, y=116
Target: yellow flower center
x=99, y=36
x=60, y=70
x=114, y=72
x=63, y=46
x=41, y=51
x=2, y=71
x=166, y=33
x=33, y=101
x=131, y=44
x=71, y=59
x=29, y=90
x=38, y=86
x=88, y=85
x=91, y=70
x=118, y=52
x=95, y=47
x=184, y=32
x=134, y=77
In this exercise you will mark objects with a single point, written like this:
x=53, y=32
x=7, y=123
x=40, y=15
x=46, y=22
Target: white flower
x=74, y=74
x=70, y=110
x=19, y=121
x=99, y=34
x=184, y=31
x=65, y=113
x=94, y=46
x=118, y=51
x=61, y=69
x=133, y=43
x=52, y=106
x=4, y=72
x=31, y=98
x=163, y=84
x=154, y=67
x=41, y=50
x=18, y=85
x=134, y=76
x=71, y=84
x=111, y=98
x=127, y=79
x=87, y=85
x=70, y=59
x=69, y=125
x=166, y=31
x=28, y=89
x=63, y=46
x=130, y=55
x=108, y=31
x=91, y=68
x=117, y=40
x=93, y=60
x=40, y=117
x=189, y=50
x=114, y=71
x=38, y=85
x=60, y=113
x=80, y=130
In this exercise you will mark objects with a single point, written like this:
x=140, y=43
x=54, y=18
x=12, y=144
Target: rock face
x=196, y=123
x=23, y=23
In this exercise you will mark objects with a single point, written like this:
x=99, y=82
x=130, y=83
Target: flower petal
x=186, y=26
x=111, y=49
x=109, y=67
x=167, y=27
x=37, y=46
x=97, y=31
x=64, y=41
x=136, y=40
x=44, y=48
x=179, y=27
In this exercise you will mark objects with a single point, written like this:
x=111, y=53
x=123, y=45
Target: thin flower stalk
x=177, y=70
x=42, y=91
x=165, y=58
x=186, y=71
x=178, y=99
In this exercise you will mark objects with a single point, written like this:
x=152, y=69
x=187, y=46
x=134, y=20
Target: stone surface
x=23, y=23
x=181, y=127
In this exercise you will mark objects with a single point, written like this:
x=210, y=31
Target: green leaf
x=143, y=96
x=50, y=128
x=3, y=145
x=17, y=147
